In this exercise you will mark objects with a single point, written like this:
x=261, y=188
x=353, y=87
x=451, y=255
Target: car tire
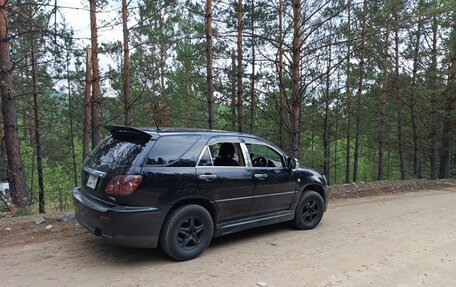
x=309, y=210
x=187, y=232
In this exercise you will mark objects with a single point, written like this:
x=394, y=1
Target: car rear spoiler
x=130, y=130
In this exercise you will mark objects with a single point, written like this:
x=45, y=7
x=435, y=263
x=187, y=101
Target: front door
x=274, y=188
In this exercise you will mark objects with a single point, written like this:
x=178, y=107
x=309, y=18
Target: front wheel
x=187, y=232
x=309, y=210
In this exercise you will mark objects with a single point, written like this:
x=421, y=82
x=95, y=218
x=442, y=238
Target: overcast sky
x=77, y=15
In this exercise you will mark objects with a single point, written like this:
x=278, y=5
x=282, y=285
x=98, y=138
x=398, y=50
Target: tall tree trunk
x=187, y=104
x=96, y=113
x=252, y=80
x=348, y=106
x=398, y=98
x=15, y=172
x=382, y=118
x=433, y=88
x=281, y=83
x=239, y=74
x=295, y=115
x=359, y=93
x=233, y=90
x=37, y=133
x=70, y=115
x=449, y=121
x=88, y=105
x=126, y=67
x=336, y=137
x=210, y=86
x=326, y=142
x=162, y=51
x=413, y=114
x=28, y=119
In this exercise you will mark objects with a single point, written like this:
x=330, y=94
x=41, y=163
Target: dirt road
x=407, y=239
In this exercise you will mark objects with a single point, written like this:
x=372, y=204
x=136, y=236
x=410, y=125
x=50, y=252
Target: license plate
x=92, y=181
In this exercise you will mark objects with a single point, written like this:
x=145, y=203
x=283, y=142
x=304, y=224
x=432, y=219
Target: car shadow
x=266, y=232
x=98, y=250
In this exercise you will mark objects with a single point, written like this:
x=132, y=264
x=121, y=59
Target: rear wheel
x=187, y=232
x=309, y=210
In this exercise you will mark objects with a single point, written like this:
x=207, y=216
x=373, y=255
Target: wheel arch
x=206, y=203
x=317, y=188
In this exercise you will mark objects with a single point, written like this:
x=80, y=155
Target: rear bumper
x=120, y=225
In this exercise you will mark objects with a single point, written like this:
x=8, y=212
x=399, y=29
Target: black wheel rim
x=190, y=232
x=310, y=211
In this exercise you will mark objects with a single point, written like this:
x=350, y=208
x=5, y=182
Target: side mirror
x=292, y=163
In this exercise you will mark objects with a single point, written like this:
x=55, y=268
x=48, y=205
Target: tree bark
x=162, y=51
x=397, y=94
x=126, y=67
x=449, y=121
x=433, y=88
x=96, y=113
x=70, y=115
x=233, y=90
x=37, y=129
x=348, y=105
x=336, y=135
x=281, y=83
x=252, y=79
x=326, y=142
x=413, y=113
x=382, y=117
x=239, y=74
x=187, y=105
x=88, y=106
x=210, y=86
x=295, y=115
x=15, y=170
x=359, y=93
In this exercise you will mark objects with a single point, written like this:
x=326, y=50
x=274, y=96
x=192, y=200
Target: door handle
x=260, y=176
x=207, y=177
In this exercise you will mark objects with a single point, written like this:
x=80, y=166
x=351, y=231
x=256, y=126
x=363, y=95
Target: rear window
x=169, y=149
x=120, y=148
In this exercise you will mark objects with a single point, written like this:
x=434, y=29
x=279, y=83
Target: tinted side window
x=222, y=154
x=206, y=158
x=119, y=149
x=264, y=156
x=169, y=149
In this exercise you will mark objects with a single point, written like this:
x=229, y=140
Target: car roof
x=157, y=132
x=185, y=130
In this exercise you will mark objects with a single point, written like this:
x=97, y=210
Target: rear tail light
x=123, y=184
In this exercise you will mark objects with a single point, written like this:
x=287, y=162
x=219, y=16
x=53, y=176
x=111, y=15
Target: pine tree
x=15, y=171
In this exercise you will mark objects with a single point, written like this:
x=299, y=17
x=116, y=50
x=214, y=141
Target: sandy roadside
x=406, y=239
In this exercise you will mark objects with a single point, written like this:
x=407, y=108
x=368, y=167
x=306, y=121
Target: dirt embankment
x=356, y=190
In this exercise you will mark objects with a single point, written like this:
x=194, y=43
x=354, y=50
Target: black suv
x=181, y=187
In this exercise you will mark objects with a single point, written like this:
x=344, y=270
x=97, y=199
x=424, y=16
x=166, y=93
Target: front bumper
x=120, y=225
x=327, y=195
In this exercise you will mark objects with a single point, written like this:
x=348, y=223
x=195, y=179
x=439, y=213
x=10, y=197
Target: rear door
x=231, y=187
x=274, y=187
x=119, y=154
x=169, y=171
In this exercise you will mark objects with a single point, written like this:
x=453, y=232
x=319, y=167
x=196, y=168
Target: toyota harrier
x=179, y=188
